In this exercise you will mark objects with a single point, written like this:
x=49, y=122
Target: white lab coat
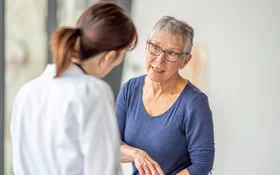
x=65, y=126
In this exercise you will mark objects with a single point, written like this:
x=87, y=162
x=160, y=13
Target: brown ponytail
x=104, y=26
x=62, y=44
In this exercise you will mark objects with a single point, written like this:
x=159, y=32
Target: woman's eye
x=156, y=47
x=172, y=53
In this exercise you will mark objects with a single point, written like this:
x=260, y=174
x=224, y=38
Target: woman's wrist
x=135, y=154
x=129, y=154
x=183, y=172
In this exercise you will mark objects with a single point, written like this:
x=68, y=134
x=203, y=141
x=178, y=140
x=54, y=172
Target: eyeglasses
x=169, y=55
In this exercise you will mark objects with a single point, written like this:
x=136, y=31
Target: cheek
x=175, y=69
x=149, y=59
x=172, y=69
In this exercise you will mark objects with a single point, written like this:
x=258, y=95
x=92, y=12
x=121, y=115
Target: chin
x=154, y=78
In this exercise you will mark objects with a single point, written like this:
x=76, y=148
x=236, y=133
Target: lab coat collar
x=71, y=70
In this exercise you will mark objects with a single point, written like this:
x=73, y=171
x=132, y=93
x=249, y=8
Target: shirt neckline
x=169, y=109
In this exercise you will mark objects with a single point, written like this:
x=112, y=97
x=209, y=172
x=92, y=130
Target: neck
x=168, y=87
x=92, y=69
x=77, y=64
x=90, y=66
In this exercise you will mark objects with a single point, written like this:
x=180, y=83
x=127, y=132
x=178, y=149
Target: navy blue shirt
x=182, y=137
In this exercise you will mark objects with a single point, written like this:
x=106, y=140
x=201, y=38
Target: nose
x=161, y=57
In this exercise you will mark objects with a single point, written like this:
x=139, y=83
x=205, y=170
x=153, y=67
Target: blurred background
x=235, y=62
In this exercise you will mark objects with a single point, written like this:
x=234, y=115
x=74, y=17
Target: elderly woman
x=165, y=121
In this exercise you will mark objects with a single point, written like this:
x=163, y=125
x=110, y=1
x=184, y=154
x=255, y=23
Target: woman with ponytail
x=63, y=122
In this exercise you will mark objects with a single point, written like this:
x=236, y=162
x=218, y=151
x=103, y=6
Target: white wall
x=243, y=43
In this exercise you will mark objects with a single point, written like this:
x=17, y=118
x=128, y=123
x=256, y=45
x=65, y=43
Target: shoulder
x=96, y=83
x=78, y=88
x=193, y=95
x=134, y=82
x=131, y=89
x=27, y=88
x=196, y=106
x=89, y=87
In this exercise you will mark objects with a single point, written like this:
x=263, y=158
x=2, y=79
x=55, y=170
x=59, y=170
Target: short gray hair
x=177, y=28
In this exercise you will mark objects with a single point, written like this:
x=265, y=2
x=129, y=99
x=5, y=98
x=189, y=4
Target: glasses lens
x=171, y=56
x=154, y=49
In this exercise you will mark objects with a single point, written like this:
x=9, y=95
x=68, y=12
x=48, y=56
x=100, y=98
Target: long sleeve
x=200, y=136
x=121, y=111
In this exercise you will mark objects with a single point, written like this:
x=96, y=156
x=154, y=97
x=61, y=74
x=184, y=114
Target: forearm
x=127, y=153
x=183, y=172
x=143, y=161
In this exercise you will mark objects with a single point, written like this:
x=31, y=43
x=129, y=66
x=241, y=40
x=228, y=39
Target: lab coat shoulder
x=25, y=92
x=97, y=89
x=91, y=92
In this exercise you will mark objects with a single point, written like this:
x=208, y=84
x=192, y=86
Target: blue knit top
x=182, y=137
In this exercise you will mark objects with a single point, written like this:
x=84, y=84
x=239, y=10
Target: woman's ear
x=186, y=60
x=107, y=58
x=146, y=46
x=147, y=43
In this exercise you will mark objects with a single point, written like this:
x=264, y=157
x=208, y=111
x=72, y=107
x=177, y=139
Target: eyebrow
x=158, y=44
x=171, y=49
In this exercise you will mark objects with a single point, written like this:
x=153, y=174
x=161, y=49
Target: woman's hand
x=145, y=164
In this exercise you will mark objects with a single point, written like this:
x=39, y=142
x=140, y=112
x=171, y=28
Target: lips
x=157, y=69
